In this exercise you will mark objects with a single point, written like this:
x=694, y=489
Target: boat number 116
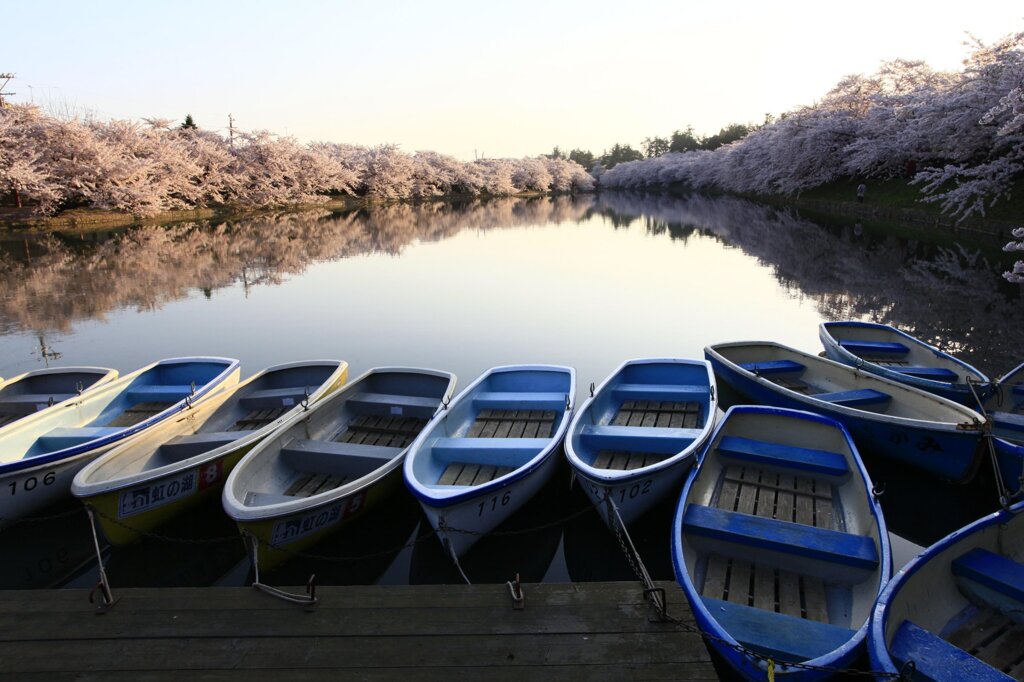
x=494, y=503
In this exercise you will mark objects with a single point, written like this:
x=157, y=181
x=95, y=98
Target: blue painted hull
x=957, y=391
x=948, y=453
x=848, y=650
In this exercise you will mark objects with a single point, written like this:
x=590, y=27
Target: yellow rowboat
x=327, y=466
x=140, y=485
x=39, y=389
x=41, y=453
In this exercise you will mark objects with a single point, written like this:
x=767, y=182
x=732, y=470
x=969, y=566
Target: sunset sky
x=466, y=78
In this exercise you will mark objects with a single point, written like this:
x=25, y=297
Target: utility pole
x=231, y=131
x=6, y=78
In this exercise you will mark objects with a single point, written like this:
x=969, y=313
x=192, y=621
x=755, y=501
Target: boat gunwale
x=243, y=513
x=459, y=495
x=622, y=476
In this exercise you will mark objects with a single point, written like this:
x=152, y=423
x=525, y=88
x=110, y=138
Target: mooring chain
x=1004, y=494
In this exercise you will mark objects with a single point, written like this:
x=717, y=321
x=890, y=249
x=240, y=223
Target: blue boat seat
x=27, y=403
x=874, y=347
x=776, y=634
x=65, y=437
x=505, y=452
x=508, y=400
x=394, y=405
x=933, y=373
x=330, y=457
x=786, y=456
x=667, y=392
x=856, y=398
x=773, y=367
x=992, y=571
x=936, y=659
x=796, y=539
x=159, y=393
x=272, y=398
x=183, y=447
x=654, y=439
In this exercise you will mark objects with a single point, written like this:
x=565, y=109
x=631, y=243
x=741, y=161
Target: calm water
x=586, y=281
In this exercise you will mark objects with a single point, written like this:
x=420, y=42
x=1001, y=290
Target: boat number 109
x=32, y=482
x=494, y=503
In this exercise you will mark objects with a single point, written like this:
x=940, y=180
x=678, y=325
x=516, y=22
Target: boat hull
x=816, y=454
x=635, y=495
x=461, y=525
x=26, y=491
x=941, y=449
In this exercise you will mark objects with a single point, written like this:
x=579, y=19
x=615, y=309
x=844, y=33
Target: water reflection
x=949, y=296
x=587, y=281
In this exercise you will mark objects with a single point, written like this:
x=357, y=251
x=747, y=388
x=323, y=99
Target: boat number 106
x=494, y=503
x=31, y=483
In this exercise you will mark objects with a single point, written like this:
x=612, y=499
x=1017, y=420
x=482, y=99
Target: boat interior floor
x=257, y=419
x=496, y=423
x=648, y=413
x=9, y=418
x=389, y=434
x=784, y=497
x=993, y=638
x=139, y=412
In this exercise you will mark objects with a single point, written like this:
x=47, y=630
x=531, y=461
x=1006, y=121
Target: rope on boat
x=107, y=600
x=442, y=530
x=1004, y=495
x=309, y=599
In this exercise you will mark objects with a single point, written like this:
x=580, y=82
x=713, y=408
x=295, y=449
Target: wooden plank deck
x=429, y=632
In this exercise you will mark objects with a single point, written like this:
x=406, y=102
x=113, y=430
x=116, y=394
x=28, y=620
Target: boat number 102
x=32, y=482
x=494, y=503
x=632, y=492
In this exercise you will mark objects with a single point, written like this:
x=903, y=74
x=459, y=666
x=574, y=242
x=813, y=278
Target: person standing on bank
x=862, y=189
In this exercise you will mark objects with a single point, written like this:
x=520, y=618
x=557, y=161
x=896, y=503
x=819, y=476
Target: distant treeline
x=679, y=141
x=958, y=136
x=50, y=164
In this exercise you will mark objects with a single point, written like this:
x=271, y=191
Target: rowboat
x=954, y=612
x=175, y=465
x=780, y=545
x=40, y=454
x=885, y=417
x=635, y=439
x=39, y=389
x=326, y=466
x=1005, y=411
x=893, y=354
x=491, y=450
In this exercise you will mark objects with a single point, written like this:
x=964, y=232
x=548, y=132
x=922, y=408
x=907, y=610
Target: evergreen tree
x=189, y=124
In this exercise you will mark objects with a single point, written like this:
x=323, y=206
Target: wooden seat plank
x=739, y=582
x=983, y=626
x=451, y=473
x=789, y=594
x=715, y=577
x=814, y=599
x=139, y=412
x=764, y=588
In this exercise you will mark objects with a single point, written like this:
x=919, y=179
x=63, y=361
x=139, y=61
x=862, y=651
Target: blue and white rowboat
x=885, y=417
x=893, y=354
x=779, y=544
x=632, y=443
x=40, y=454
x=956, y=612
x=481, y=459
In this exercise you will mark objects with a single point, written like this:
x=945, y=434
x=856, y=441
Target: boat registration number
x=165, y=491
x=296, y=527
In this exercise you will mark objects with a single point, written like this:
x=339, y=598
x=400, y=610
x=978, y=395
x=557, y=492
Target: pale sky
x=465, y=78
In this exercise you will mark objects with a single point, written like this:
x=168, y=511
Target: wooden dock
x=429, y=632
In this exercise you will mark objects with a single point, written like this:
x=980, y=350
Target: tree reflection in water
x=950, y=297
